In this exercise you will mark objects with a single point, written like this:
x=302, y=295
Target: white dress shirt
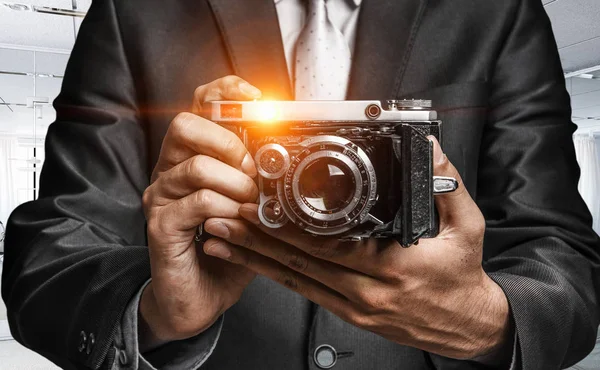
x=292, y=16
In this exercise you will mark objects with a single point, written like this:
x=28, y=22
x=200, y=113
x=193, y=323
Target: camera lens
x=327, y=184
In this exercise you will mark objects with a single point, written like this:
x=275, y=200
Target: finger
x=456, y=209
x=204, y=172
x=334, y=276
x=190, y=135
x=301, y=284
x=187, y=213
x=225, y=88
x=359, y=256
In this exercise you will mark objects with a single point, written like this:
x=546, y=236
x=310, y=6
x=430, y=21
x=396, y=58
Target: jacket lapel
x=251, y=32
x=384, y=39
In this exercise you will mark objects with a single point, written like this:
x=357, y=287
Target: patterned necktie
x=322, y=58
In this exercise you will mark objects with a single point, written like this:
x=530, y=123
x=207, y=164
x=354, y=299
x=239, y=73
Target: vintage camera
x=350, y=169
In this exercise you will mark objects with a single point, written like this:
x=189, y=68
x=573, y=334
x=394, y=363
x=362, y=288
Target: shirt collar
x=355, y=2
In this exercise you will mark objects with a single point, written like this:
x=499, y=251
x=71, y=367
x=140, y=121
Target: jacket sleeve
x=539, y=244
x=77, y=256
x=178, y=355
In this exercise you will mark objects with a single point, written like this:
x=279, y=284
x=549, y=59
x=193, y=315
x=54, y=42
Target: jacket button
x=82, y=341
x=325, y=356
x=90, y=343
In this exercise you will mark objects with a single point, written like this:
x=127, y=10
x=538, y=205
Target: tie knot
x=322, y=58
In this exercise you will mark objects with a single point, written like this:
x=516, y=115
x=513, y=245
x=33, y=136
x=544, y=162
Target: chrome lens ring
x=321, y=223
x=278, y=220
x=314, y=213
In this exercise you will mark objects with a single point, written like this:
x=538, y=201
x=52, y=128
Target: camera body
x=351, y=169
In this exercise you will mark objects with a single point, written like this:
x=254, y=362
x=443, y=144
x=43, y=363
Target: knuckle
x=289, y=281
x=324, y=248
x=153, y=225
x=157, y=227
x=232, y=144
x=249, y=241
x=199, y=93
x=371, y=299
x=478, y=233
x=203, y=199
x=147, y=198
x=246, y=259
x=230, y=84
x=249, y=190
x=230, y=79
x=195, y=167
x=360, y=320
x=480, y=225
x=296, y=262
x=180, y=124
x=474, y=231
x=390, y=271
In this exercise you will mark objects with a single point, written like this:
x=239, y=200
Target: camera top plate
x=331, y=111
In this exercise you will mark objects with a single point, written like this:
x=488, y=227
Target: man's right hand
x=203, y=171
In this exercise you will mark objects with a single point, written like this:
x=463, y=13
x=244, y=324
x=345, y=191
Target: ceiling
x=25, y=28
x=576, y=26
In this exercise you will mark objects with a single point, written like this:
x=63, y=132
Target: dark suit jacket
x=76, y=256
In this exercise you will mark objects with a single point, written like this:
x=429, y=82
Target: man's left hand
x=434, y=296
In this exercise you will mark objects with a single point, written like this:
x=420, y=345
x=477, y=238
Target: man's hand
x=203, y=171
x=434, y=296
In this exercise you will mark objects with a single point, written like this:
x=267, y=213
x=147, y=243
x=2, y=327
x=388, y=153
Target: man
x=89, y=286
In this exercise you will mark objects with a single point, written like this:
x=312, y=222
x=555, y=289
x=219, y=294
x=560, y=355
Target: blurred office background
x=36, y=38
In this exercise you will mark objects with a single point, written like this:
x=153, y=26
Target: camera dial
x=272, y=160
x=271, y=213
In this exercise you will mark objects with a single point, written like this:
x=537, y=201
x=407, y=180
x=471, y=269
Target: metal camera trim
x=281, y=150
x=264, y=220
x=313, y=158
x=345, y=145
x=306, y=120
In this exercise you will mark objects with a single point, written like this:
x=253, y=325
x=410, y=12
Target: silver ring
x=199, y=231
x=348, y=149
x=284, y=166
x=313, y=158
x=442, y=185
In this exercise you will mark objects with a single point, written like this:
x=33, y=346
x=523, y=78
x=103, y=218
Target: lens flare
x=268, y=112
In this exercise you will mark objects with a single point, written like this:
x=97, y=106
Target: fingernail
x=248, y=166
x=438, y=153
x=249, y=213
x=250, y=90
x=218, y=229
x=218, y=249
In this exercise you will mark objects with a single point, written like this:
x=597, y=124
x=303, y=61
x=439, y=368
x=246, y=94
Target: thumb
x=457, y=210
x=225, y=88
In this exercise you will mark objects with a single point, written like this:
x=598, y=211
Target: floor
x=14, y=356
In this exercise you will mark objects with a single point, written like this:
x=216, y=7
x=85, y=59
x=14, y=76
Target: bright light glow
x=267, y=111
